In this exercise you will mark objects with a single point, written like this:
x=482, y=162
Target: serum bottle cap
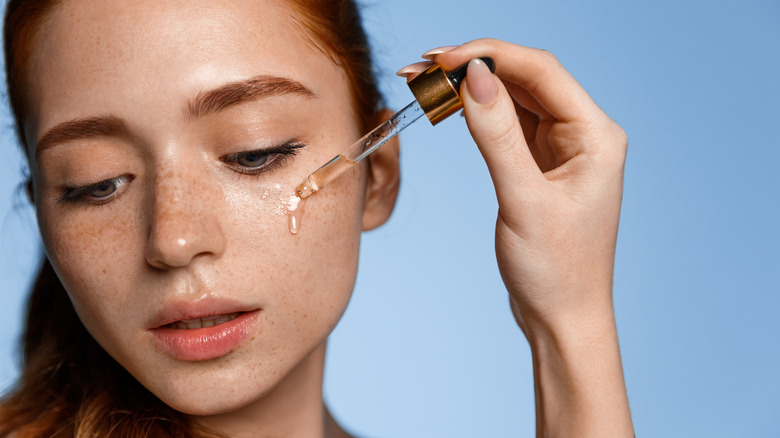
x=438, y=92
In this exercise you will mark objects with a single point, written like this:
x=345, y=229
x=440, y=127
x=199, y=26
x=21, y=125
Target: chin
x=204, y=405
x=211, y=395
x=234, y=382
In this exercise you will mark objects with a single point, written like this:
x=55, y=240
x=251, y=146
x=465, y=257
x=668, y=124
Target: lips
x=191, y=324
x=202, y=330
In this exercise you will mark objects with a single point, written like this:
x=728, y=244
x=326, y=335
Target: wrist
x=572, y=352
x=578, y=377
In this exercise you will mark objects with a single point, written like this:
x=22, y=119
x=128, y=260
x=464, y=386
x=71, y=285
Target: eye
x=259, y=161
x=98, y=193
x=103, y=190
x=255, y=159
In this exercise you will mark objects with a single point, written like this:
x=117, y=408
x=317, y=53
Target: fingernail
x=437, y=51
x=482, y=87
x=413, y=68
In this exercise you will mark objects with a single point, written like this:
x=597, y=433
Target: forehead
x=109, y=55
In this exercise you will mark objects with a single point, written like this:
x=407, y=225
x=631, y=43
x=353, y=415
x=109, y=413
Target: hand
x=557, y=165
x=557, y=162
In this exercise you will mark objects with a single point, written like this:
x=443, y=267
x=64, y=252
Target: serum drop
x=295, y=212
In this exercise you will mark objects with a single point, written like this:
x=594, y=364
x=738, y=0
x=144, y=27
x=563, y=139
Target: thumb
x=492, y=121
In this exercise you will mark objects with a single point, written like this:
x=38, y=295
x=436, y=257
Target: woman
x=165, y=140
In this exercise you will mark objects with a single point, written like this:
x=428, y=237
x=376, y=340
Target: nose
x=184, y=222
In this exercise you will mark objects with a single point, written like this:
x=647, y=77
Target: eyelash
x=277, y=155
x=79, y=194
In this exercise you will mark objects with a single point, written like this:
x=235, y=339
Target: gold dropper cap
x=438, y=92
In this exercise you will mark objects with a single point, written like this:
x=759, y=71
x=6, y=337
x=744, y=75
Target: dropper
x=437, y=95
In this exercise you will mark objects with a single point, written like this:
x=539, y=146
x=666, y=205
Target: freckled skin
x=187, y=225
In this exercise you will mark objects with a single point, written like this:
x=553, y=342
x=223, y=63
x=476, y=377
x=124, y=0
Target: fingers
x=412, y=70
x=492, y=120
x=437, y=51
x=538, y=72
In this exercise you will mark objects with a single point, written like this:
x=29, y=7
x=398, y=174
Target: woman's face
x=167, y=140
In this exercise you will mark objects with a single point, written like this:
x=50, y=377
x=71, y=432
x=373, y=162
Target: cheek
x=92, y=257
x=313, y=272
x=330, y=238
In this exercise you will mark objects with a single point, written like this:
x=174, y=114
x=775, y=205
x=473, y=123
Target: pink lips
x=216, y=327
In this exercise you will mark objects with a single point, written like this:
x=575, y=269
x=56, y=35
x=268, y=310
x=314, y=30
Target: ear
x=384, y=180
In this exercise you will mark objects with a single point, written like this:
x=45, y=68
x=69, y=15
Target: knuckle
x=618, y=137
x=614, y=145
x=505, y=139
x=545, y=64
x=547, y=56
x=503, y=134
x=608, y=144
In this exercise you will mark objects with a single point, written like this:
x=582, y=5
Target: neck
x=294, y=408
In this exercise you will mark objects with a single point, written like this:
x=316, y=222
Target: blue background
x=428, y=346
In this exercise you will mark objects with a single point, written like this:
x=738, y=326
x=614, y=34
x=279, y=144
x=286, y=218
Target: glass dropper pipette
x=437, y=95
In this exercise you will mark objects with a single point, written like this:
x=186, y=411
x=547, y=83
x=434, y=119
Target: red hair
x=69, y=385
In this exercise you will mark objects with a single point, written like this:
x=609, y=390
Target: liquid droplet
x=295, y=212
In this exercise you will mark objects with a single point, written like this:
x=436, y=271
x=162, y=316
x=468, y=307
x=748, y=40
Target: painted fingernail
x=437, y=51
x=413, y=68
x=482, y=87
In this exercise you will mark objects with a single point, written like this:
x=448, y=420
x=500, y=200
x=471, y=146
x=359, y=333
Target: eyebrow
x=255, y=88
x=206, y=102
x=100, y=126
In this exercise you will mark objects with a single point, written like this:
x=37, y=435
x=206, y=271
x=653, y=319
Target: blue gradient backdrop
x=428, y=346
